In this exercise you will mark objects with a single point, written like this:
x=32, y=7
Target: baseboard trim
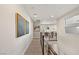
x=36, y=38
x=23, y=53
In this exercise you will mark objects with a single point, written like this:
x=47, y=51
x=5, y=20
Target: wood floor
x=34, y=48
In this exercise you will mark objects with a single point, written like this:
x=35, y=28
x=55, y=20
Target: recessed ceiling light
x=77, y=27
x=35, y=15
x=51, y=16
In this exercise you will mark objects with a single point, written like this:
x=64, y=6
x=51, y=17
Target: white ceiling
x=44, y=11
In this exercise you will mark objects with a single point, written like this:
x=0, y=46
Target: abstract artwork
x=27, y=27
x=20, y=23
x=72, y=25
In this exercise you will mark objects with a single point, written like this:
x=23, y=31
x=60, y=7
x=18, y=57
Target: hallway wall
x=9, y=44
x=67, y=43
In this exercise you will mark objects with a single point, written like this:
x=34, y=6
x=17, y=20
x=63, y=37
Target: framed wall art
x=27, y=27
x=20, y=25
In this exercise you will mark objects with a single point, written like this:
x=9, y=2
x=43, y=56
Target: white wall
x=48, y=21
x=9, y=44
x=67, y=43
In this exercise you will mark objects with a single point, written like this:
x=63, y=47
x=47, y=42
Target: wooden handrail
x=42, y=43
x=50, y=49
x=43, y=46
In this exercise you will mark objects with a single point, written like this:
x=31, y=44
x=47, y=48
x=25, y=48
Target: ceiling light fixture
x=35, y=15
x=77, y=27
x=51, y=16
